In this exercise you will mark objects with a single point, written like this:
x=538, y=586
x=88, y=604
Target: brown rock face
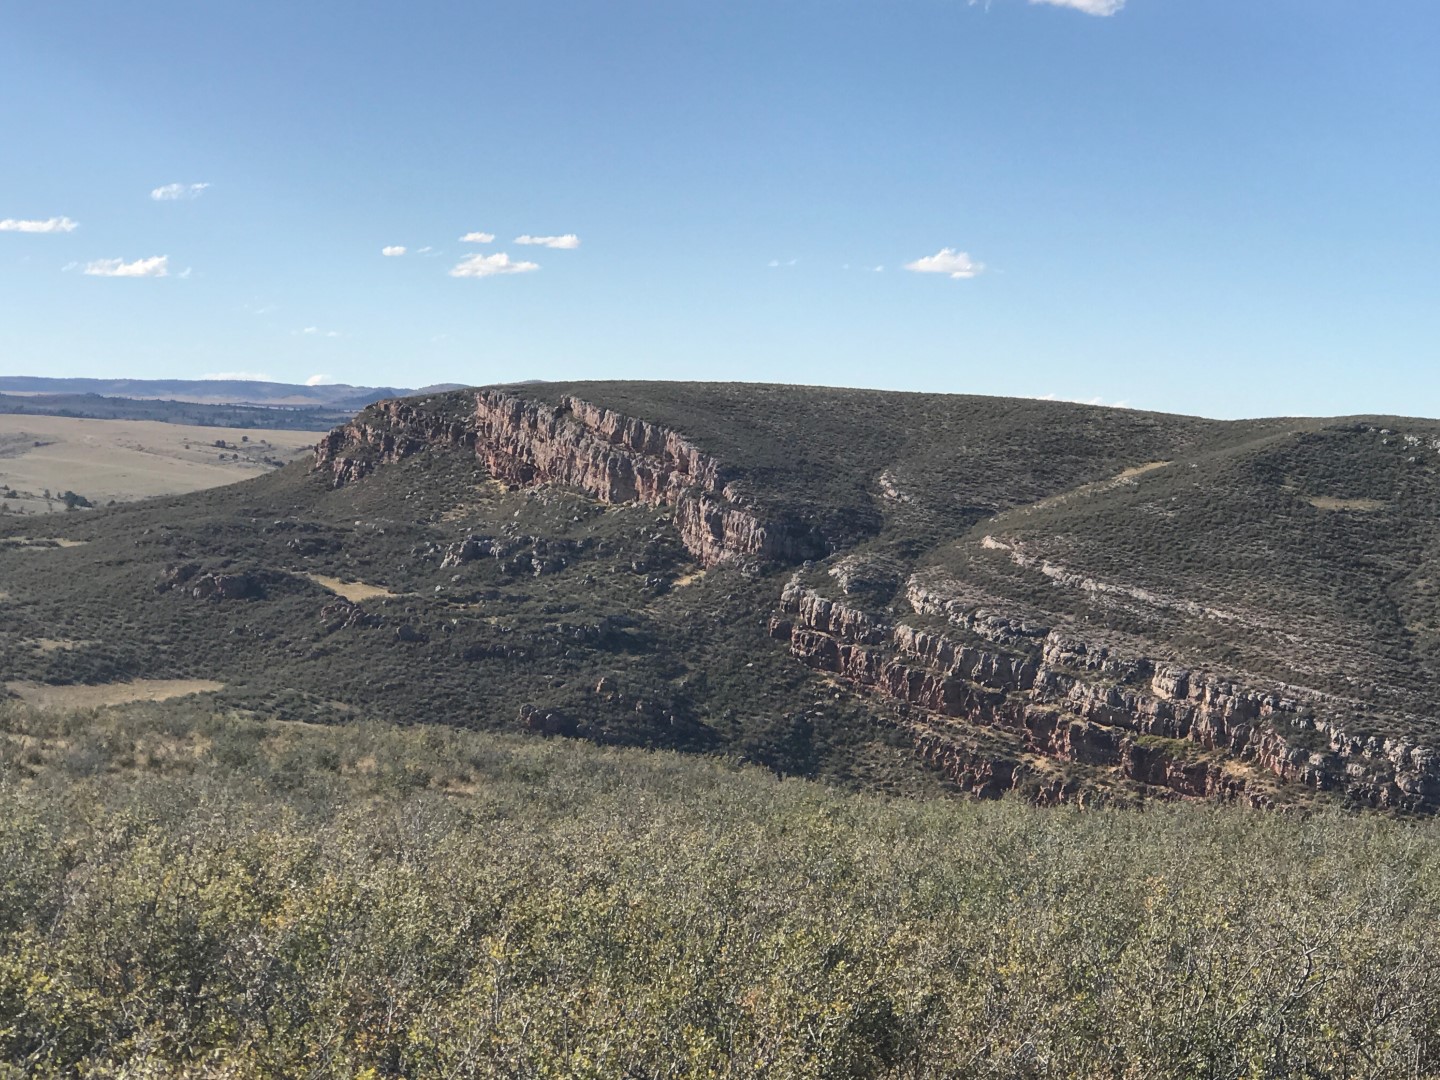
x=386, y=432
x=611, y=457
x=1055, y=697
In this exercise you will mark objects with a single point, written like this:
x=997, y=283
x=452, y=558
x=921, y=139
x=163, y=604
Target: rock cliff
x=1060, y=699
x=609, y=456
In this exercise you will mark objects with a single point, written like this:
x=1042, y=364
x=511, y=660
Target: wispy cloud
x=957, y=264
x=490, y=266
x=319, y=380
x=1089, y=7
x=155, y=266
x=1085, y=401
x=776, y=263
x=238, y=376
x=315, y=331
x=177, y=192
x=393, y=250
x=568, y=242
x=49, y=225
x=478, y=238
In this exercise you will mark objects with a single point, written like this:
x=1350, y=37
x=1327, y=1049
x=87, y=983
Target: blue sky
x=1225, y=207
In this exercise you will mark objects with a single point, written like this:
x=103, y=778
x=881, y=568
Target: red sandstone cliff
x=611, y=457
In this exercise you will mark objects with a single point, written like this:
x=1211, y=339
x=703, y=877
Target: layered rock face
x=618, y=459
x=611, y=457
x=1049, y=695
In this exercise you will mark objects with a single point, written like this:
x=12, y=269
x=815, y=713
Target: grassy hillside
x=1291, y=558
x=1315, y=552
x=193, y=893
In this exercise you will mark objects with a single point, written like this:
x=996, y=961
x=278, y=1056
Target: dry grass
x=1321, y=502
x=40, y=543
x=1141, y=470
x=124, y=460
x=354, y=591
x=45, y=696
x=51, y=645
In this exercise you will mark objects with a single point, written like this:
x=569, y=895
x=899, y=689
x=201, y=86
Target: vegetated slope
x=1078, y=603
x=198, y=894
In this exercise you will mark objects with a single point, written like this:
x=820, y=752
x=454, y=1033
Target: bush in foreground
x=197, y=895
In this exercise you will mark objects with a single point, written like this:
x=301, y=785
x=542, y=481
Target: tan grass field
x=45, y=696
x=124, y=460
x=354, y=591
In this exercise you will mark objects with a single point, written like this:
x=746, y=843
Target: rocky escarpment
x=611, y=457
x=1047, y=696
x=385, y=433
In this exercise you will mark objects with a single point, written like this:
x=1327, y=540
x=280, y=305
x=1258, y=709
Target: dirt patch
x=40, y=543
x=354, y=591
x=1321, y=502
x=50, y=645
x=45, y=696
x=688, y=579
x=1141, y=470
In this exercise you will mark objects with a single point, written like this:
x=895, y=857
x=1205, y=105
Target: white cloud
x=238, y=376
x=315, y=331
x=393, y=250
x=49, y=225
x=477, y=238
x=175, y=192
x=319, y=380
x=490, y=266
x=1089, y=7
x=1123, y=404
x=774, y=263
x=155, y=266
x=568, y=242
x=957, y=264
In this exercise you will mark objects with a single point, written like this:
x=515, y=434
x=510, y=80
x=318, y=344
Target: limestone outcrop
x=611, y=457
x=1059, y=699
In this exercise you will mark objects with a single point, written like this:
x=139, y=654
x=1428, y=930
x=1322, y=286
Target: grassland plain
x=191, y=893
x=1075, y=603
x=123, y=460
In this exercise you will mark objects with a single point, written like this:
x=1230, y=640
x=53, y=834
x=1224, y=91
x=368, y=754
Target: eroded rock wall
x=611, y=457
x=1161, y=725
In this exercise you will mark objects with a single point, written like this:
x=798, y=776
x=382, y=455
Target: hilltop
x=899, y=591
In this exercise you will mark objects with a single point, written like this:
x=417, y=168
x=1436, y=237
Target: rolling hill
x=898, y=591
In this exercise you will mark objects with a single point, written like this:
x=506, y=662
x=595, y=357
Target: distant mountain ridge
x=217, y=391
